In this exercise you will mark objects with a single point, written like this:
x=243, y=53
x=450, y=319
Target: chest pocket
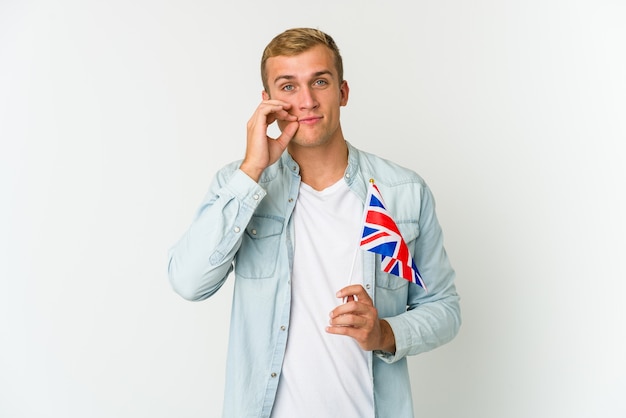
x=410, y=232
x=258, y=254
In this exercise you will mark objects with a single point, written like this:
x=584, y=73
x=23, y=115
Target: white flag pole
x=358, y=247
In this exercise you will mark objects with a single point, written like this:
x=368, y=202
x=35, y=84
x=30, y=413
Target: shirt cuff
x=402, y=335
x=246, y=190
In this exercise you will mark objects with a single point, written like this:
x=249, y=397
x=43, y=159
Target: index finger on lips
x=272, y=113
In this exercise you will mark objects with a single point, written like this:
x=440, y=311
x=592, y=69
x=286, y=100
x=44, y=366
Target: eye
x=288, y=87
x=320, y=83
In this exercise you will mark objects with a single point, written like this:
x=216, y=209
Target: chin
x=308, y=142
x=309, y=139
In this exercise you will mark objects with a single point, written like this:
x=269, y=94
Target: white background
x=114, y=115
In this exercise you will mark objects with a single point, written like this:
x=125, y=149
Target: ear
x=344, y=90
x=264, y=95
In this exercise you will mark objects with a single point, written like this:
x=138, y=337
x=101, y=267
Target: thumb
x=288, y=132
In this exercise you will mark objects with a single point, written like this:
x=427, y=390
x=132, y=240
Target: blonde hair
x=296, y=41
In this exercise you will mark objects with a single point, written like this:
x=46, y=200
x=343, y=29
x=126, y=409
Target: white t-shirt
x=324, y=375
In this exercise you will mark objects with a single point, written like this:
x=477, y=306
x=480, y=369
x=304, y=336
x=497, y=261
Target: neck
x=321, y=166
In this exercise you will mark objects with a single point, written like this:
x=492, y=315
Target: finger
x=280, y=115
x=275, y=110
x=353, y=308
x=347, y=308
x=349, y=320
x=265, y=115
x=348, y=331
x=359, y=334
x=365, y=338
x=357, y=291
x=288, y=133
x=275, y=102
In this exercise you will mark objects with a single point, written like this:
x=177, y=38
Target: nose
x=307, y=99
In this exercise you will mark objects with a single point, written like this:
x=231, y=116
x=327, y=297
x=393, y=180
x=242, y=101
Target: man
x=317, y=328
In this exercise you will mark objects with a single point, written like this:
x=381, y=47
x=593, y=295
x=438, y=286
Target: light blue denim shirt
x=246, y=226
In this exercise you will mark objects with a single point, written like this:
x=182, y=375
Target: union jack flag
x=382, y=236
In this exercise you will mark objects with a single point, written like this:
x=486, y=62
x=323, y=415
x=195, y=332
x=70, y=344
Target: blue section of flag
x=387, y=249
x=395, y=270
x=374, y=202
x=367, y=231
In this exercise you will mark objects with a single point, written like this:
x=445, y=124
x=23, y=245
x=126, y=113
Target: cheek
x=287, y=98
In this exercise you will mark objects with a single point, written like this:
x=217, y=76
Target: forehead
x=310, y=62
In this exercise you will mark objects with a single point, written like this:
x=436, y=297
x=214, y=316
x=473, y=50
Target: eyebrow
x=291, y=77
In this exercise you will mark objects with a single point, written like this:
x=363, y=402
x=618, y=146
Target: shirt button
x=273, y=374
x=290, y=200
x=282, y=328
x=255, y=197
x=237, y=229
x=347, y=175
x=253, y=232
x=367, y=286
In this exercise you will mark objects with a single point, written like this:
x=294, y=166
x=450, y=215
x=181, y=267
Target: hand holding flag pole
x=382, y=236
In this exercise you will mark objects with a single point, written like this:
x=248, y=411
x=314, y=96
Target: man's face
x=309, y=82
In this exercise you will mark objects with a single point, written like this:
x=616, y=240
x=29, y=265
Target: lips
x=309, y=119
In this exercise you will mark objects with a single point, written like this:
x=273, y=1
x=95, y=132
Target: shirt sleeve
x=202, y=259
x=432, y=318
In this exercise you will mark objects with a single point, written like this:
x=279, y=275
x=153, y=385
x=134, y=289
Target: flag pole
x=358, y=247
x=353, y=264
